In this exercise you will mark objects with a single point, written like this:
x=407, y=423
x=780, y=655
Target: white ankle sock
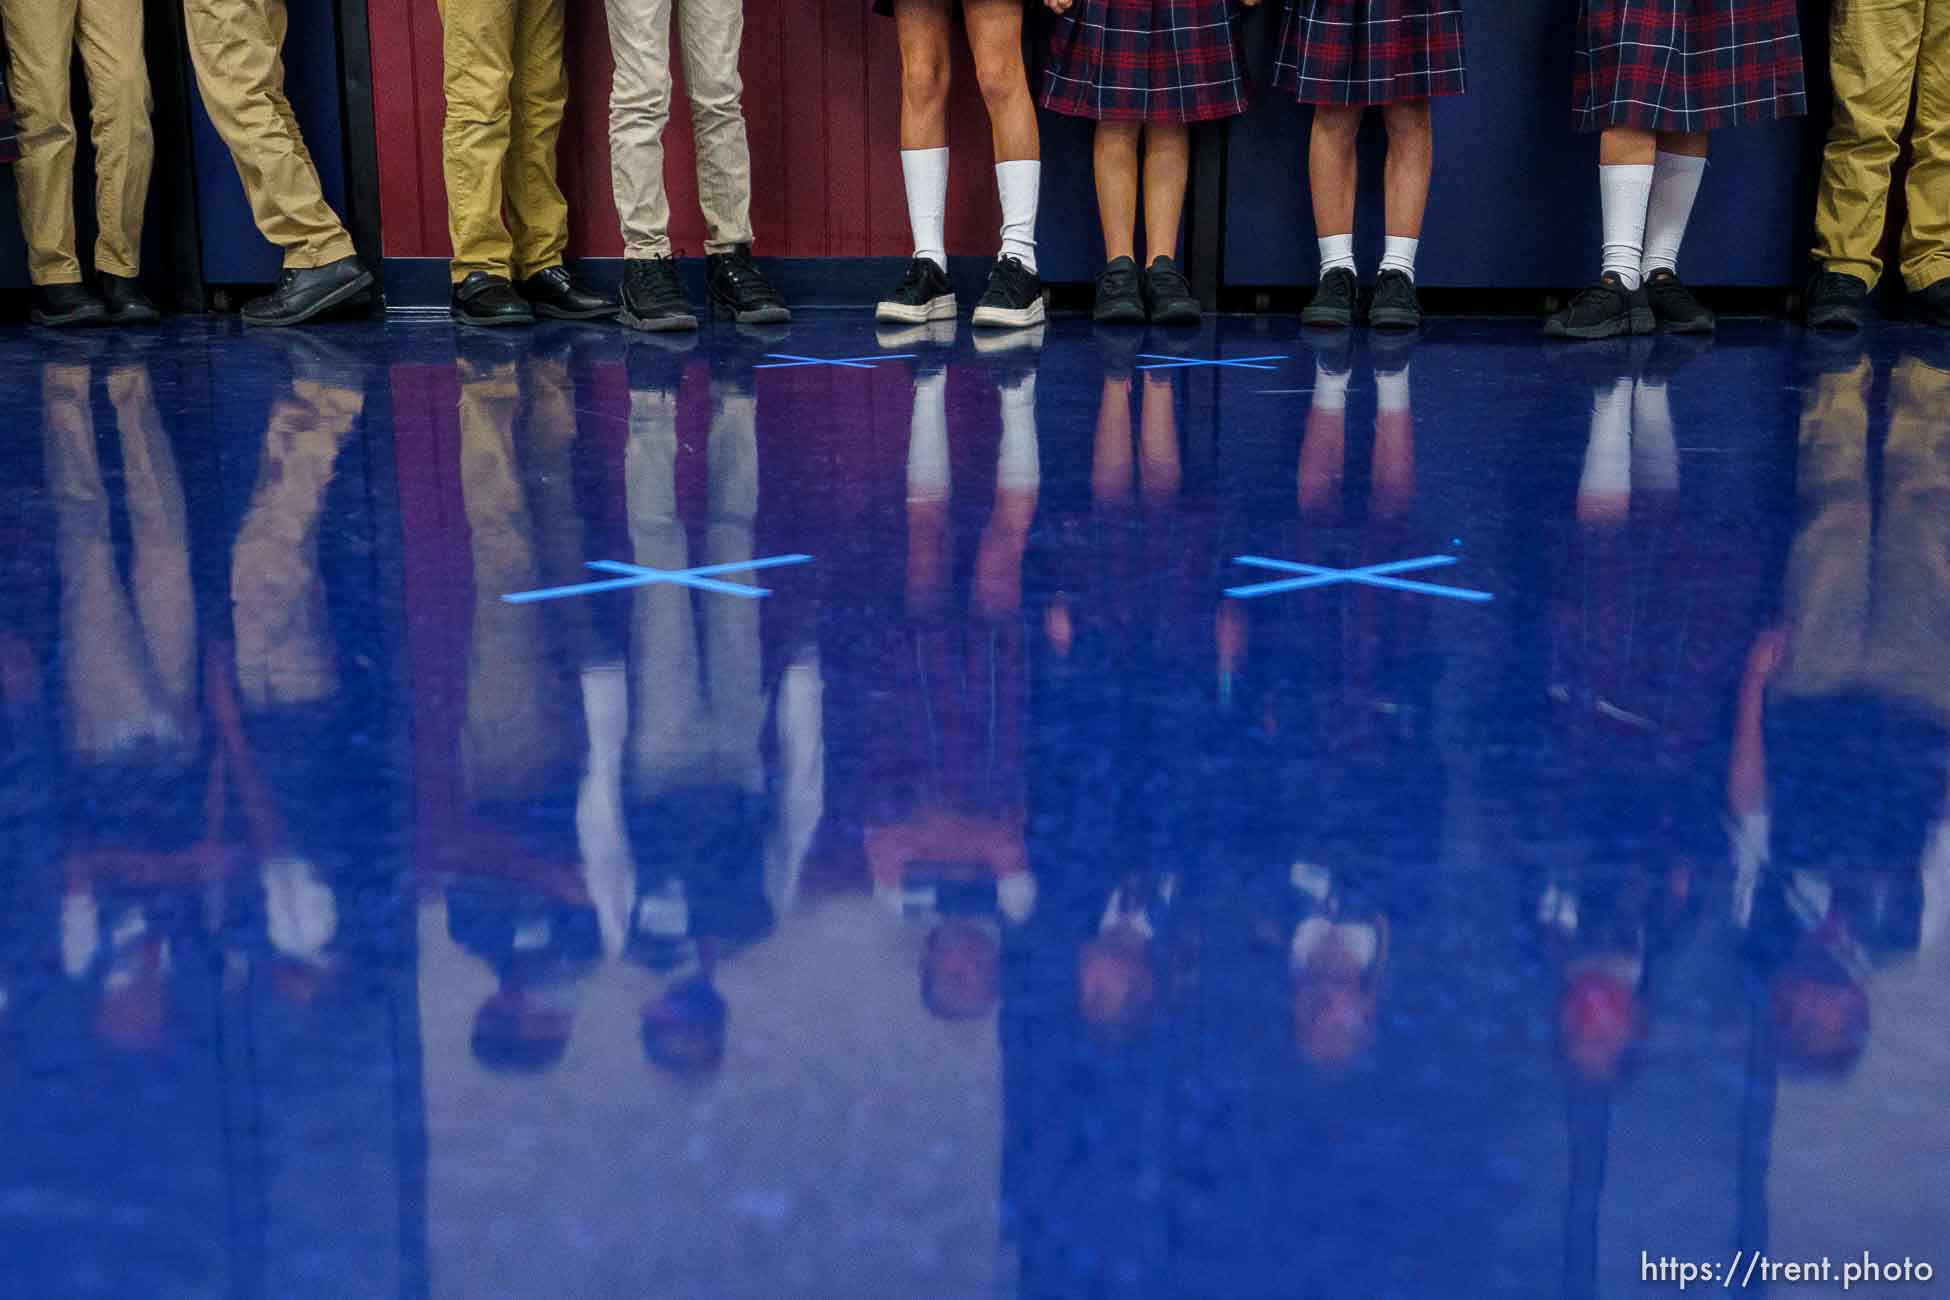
x=1625, y=192
x=1020, y=183
x=1398, y=254
x=1336, y=253
x=926, y=174
x=1675, y=184
x=1330, y=388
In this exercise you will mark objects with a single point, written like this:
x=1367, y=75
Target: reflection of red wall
x=822, y=98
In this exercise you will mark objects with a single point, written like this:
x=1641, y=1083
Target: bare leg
x=1411, y=158
x=1690, y=143
x=1116, y=163
x=1626, y=146
x=995, y=33
x=1167, y=163
x=923, y=34
x=1331, y=169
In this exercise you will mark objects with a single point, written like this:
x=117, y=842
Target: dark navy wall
x=1515, y=198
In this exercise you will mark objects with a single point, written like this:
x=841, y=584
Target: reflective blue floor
x=1536, y=892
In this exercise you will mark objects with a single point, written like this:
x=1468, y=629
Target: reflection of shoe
x=314, y=358
x=1334, y=300
x=1674, y=306
x=1671, y=353
x=1119, y=300
x=653, y=297
x=1836, y=301
x=1395, y=306
x=740, y=290
x=1603, y=310
x=921, y=334
x=1333, y=352
x=1391, y=349
x=1119, y=349
x=1931, y=304
x=125, y=301
x=923, y=294
x=1931, y=347
x=557, y=294
x=490, y=300
x=1169, y=294
x=1831, y=352
x=762, y=334
x=655, y=363
x=1013, y=299
x=1018, y=343
x=65, y=306
x=1600, y=364
x=304, y=294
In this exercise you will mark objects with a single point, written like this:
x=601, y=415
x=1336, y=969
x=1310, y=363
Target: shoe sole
x=1632, y=323
x=657, y=324
x=141, y=316
x=942, y=307
x=336, y=298
x=1327, y=318
x=492, y=322
x=1697, y=325
x=557, y=313
x=1839, y=321
x=68, y=320
x=1184, y=316
x=1122, y=314
x=1386, y=318
x=757, y=316
x=1009, y=317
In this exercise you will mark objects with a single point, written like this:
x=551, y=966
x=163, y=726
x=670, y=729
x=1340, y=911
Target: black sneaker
x=303, y=294
x=1013, y=299
x=653, y=297
x=125, y=301
x=1118, y=300
x=923, y=294
x=1395, y=306
x=1603, y=310
x=1931, y=304
x=487, y=299
x=1170, y=294
x=741, y=291
x=557, y=294
x=1334, y=298
x=1836, y=301
x=66, y=306
x=1674, y=306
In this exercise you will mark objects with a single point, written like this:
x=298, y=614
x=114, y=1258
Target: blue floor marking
x=787, y=361
x=636, y=575
x=1159, y=362
x=1373, y=575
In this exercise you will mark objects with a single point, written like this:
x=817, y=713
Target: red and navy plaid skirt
x=1686, y=65
x=1371, y=51
x=1146, y=61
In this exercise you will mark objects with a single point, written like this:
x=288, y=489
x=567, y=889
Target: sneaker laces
x=1172, y=279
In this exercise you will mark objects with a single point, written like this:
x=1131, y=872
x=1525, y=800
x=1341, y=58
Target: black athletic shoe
x=1674, y=306
x=1169, y=294
x=1836, y=301
x=740, y=290
x=1395, y=306
x=1604, y=310
x=1334, y=300
x=301, y=295
x=653, y=297
x=1931, y=304
x=1013, y=299
x=923, y=294
x=487, y=299
x=557, y=294
x=1119, y=301
x=66, y=306
x=125, y=301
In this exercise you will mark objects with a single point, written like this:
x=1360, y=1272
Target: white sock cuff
x=1019, y=183
x=1336, y=253
x=925, y=172
x=1330, y=389
x=1391, y=388
x=1678, y=162
x=1398, y=254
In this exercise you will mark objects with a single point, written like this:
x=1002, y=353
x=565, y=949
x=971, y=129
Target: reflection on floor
x=994, y=908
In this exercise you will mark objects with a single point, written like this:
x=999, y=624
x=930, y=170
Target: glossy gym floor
x=1216, y=814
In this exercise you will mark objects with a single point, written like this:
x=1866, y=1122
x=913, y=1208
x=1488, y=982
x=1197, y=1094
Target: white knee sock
x=1655, y=448
x=1675, y=184
x=928, y=474
x=1330, y=388
x=1608, y=455
x=1625, y=191
x=926, y=174
x=1017, y=466
x=1398, y=254
x=1336, y=253
x=1020, y=183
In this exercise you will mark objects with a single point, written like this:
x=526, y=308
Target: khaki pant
x=236, y=47
x=41, y=38
x=639, y=106
x=506, y=92
x=1887, y=53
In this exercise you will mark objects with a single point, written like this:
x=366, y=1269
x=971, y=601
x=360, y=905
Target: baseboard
x=424, y=282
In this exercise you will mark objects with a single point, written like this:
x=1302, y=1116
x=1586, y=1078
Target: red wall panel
x=822, y=101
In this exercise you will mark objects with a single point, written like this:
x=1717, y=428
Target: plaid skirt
x=1146, y=61
x=1371, y=51
x=1686, y=65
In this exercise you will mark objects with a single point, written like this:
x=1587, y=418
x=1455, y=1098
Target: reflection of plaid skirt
x=1371, y=51
x=1686, y=65
x=1146, y=61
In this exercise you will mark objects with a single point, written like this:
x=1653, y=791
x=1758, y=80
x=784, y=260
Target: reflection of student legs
x=42, y=38
x=1014, y=294
x=1910, y=624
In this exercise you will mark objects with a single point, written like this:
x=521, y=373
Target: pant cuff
x=1867, y=272
x=638, y=250
x=310, y=259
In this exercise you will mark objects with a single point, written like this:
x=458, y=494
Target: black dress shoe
x=560, y=296
x=484, y=299
x=1931, y=304
x=304, y=293
x=741, y=291
x=126, y=303
x=66, y=306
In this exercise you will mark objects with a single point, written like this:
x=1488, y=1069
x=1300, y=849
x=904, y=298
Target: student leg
x=1626, y=156
x=1405, y=181
x=1331, y=177
x=478, y=50
x=1115, y=162
x=125, y=143
x=1926, y=237
x=538, y=214
x=1873, y=63
x=41, y=39
x=995, y=33
x=713, y=31
x=1167, y=164
x=923, y=33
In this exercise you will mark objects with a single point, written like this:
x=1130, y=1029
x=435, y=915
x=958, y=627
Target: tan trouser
x=506, y=92
x=1885, y=54
x=41, y=39
x=639, y=106
x=236, y=46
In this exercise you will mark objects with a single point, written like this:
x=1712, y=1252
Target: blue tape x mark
x=636, y=575
x=1179, y=363
x=786, y=361
x=1373, y=575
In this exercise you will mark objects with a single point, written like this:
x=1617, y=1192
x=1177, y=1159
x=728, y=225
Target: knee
x=717, y=99
x=1001, y=79
x=924, y=80
x=1339, y=122
x=123, y=103
x=1407, y=121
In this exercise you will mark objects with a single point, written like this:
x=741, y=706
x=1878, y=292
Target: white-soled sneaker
x=923, y=294
x=1013, y=299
